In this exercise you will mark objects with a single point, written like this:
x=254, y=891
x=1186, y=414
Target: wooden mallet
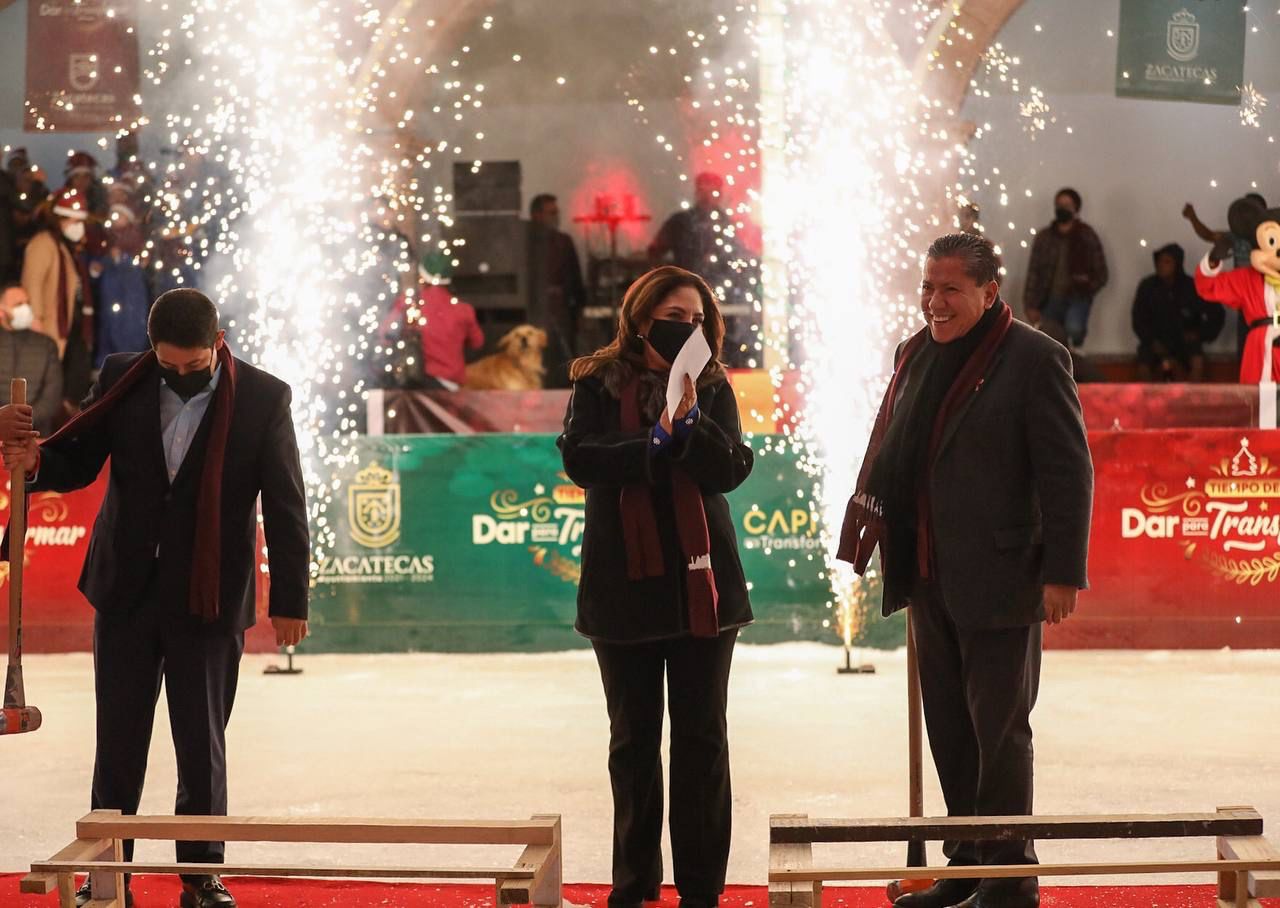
x=17, y=717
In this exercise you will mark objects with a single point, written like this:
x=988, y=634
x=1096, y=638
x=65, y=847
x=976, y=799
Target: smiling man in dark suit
x=978, y=488
x=194, y=437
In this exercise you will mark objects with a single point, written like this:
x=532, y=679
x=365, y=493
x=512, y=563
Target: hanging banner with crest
x=82, y=65
x=1181, y=50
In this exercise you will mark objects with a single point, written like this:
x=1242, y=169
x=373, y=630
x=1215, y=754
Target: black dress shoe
x=1004, y=894
x=694, y=901
x=942, y=894
x=206, y=892
x=84, y=895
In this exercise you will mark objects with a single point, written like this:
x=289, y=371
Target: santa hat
x=121, y=212
x=71, y=204
x=81, y=162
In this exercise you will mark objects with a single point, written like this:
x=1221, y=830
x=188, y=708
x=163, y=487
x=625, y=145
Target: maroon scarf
x=206, y=570
x=640, y=531
x=864, y=526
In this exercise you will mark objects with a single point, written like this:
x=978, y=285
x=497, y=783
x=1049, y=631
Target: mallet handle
x=14, y=696
x=915, y=743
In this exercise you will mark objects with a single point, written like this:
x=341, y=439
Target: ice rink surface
x=510, y=735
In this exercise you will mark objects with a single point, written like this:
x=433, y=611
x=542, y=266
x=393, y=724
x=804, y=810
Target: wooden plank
x=378, y=831
x=545, y=887
x=793, y=856
x=108, y=885
x=1224, y=903
x=362, y=872
x=1234, y=822
x=79, y=850
x=1263, y=884
x=1014, y=871
x=66, y=890
x=38, y=883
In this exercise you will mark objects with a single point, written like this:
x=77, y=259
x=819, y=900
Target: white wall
x=1136, y=162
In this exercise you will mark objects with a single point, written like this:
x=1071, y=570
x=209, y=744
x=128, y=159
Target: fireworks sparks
x=287, y=185
x=1251, y=104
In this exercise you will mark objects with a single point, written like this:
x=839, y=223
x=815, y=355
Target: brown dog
x=517, y=366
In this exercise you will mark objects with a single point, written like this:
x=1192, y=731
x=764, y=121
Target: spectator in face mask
x=1066, y=270
x=57, y=281
x=122, y=297
x=27, y=354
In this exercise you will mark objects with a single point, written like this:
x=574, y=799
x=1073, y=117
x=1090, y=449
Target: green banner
x=472, y=543
x=1181, y=50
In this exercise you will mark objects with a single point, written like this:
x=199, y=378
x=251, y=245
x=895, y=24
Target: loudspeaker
x=493, y=187
x=493, y=263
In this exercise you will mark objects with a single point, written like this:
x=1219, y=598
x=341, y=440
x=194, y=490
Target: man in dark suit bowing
x=978, y=488
x=195, y=437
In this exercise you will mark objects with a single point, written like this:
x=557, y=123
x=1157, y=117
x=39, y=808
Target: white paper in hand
x=691, y=360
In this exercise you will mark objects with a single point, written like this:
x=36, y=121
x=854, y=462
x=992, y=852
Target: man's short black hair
x=539, y=200
x=1072, y=195
x=185, y=318
x=973, y=249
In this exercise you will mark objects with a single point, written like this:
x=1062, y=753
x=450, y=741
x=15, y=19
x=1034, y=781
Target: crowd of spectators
x=79, y=267
x=1172, y=324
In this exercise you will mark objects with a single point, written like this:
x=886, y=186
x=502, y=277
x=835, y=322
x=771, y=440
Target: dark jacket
x=33, y=356
x=1086, y=258
x=1166, y=313
x=1012, y=488
x=10, y=267
x=143, y=512
x=601, y=458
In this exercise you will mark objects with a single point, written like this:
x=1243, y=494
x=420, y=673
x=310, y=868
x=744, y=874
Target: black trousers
x=132, y=655
x=697, y=674
x=978, y=688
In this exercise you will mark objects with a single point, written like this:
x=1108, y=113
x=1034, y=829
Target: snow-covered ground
x=509, y=735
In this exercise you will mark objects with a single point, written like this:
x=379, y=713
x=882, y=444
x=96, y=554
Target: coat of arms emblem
x=373, y=507
x=1183, y=36
x=82, y=71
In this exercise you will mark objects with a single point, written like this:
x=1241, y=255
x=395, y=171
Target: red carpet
x=162, y=892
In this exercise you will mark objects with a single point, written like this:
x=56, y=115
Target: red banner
x=1184, y=551
x=55, y=616
x=1185, y=546
x=82, y=65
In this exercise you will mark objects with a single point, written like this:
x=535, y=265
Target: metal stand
x=288, y=668
x=850, y=669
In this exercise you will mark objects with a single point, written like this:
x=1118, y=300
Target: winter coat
x=1086, y=258
x=40, y=280
x=601, y=458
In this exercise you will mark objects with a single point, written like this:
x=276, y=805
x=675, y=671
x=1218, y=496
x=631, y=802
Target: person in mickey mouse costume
x=1254, y=291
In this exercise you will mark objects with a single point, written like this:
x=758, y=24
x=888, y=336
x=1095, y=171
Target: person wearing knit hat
x=446, y=327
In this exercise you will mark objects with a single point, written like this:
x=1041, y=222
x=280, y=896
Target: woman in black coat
x=662, y=590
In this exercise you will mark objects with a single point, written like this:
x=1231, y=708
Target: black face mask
x=1063, y=215
x=189, y=385
x=668, y=337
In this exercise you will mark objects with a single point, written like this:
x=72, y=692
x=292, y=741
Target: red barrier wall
x=1184, y=553
x=56, y=618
